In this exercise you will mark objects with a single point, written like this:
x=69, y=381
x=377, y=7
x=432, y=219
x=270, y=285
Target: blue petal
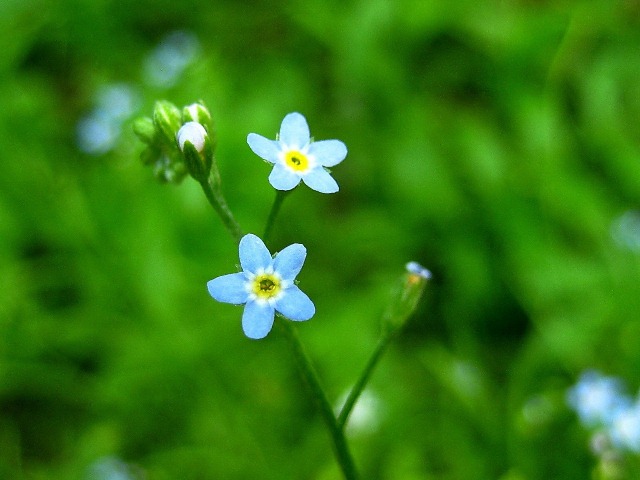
x=229, y=288
x=320, y=180
x=254, y=255
x=295, y=305
x=288, y=262
x=263, y=147
x=294, y=131
x=281, y=178
x=328, y=152
x=257, y=319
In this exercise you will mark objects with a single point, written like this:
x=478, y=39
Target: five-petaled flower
x=296, y=157
x=265, y=285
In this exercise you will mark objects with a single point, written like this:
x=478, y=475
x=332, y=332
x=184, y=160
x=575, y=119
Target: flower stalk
x=275, y=209
x=357, y=389
x=213, y=191
x=340, y=446
x=402, y=305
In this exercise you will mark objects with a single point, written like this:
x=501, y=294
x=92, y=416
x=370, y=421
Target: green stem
x=213, y=192
x=275, y=209
x=357, y=389
x=308, y=372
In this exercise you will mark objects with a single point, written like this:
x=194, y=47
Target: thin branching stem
x=357, y=389
x=275, y=209
x=340, y=446
x=213, y=192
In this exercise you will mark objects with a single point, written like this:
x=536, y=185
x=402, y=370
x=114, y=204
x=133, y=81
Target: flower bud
x=406, y=297
x=166, y=118
x=145, y=130
x=415, y=268
x=196, y=148
x=192, y=132
x=196, y=112
x=168, y=170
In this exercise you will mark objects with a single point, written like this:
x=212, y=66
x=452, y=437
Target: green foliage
x=496, y=143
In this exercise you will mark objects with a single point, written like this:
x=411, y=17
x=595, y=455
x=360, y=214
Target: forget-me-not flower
x=597, y=399
x=296, y=157
x=265, y=285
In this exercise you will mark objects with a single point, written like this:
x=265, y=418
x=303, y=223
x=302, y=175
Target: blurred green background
x=495, y=142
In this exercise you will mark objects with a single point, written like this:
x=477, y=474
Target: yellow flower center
x=298, y=161
x=266, y=285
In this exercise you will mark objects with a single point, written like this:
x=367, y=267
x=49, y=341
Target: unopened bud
x=166, y=118
x=406, y=297
x=168, y=170
x=194, y=143
x=196, y=112
x=194, y=133
x=415, y=268
x=145, y=130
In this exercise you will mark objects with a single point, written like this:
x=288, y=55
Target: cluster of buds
x=178, y=142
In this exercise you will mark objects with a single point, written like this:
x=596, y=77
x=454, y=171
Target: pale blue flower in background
x=296, y=157
x=597, y=399
x=110, y=468
x=266, y=285
x=99, y=131
x=166, y=63
x=625, y=429
x=626, y=230
x=96, y=134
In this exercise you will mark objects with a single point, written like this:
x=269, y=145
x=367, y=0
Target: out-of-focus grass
x=497, y=144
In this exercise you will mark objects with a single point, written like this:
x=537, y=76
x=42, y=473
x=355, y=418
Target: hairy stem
x=213, y=191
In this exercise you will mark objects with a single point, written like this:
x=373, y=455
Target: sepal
x=197, y=112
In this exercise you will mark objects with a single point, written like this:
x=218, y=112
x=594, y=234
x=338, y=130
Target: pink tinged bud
x=194, y=133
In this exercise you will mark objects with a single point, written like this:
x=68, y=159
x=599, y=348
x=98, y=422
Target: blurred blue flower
x=597, y=399
x=625, y=429
x=110, y=468
x=166, y=63
x=626, y=230
x=417, y=269
x=99, y=131
x=265, y=285
x=296, y=157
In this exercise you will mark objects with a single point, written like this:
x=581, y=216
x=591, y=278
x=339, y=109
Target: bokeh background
x=495, y=142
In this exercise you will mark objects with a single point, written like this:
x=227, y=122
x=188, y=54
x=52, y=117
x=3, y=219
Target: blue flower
x=625, y=430
x=265, y=285
x=296, y=157
x=597, y=399
x=415, y=268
